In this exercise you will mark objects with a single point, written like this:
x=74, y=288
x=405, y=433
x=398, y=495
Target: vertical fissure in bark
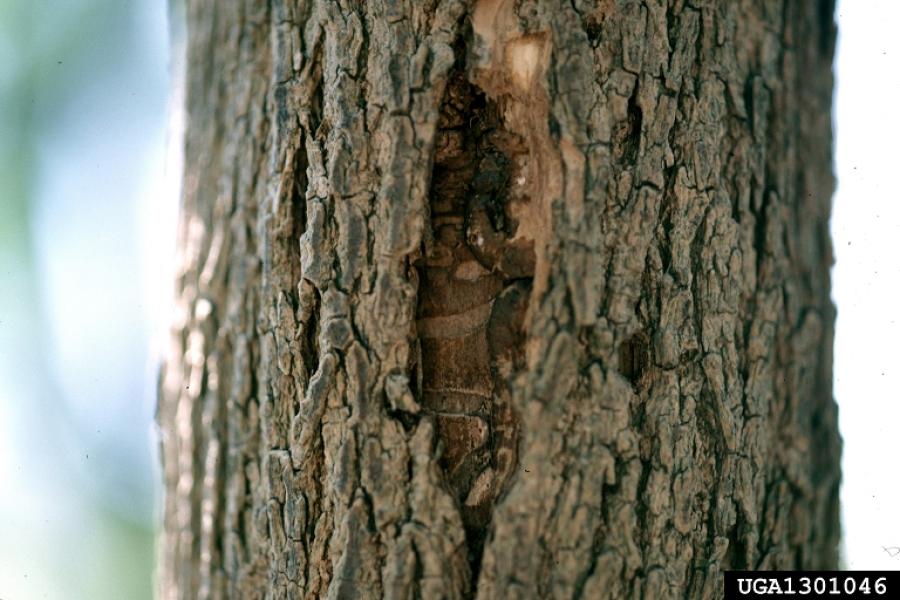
x=628, y=138
x=310, y=326
x=634, y=357
x=473, y=292
x=298, y=201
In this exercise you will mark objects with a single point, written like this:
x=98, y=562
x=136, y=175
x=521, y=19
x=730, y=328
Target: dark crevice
x=627, y=135
x=760, y=229
x=298, y=200
x=827, y=27
x=748, y=102
x=594, y=30
x=315, y=104
x=736, y=554
x=311, y=334
x=634, y=358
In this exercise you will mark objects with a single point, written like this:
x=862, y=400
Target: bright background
x=87, y=217
x=866, y=278
x=88, y=196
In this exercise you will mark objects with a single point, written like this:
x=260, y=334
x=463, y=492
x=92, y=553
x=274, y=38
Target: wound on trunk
x=475, y=280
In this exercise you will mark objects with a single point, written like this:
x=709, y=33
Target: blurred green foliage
x=58, y=538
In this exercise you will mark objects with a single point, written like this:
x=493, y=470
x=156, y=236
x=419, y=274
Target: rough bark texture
x=501, y=300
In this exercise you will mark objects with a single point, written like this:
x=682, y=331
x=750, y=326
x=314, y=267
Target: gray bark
x=501, y=300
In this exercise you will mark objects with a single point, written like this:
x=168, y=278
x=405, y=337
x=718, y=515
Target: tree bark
x=501, y=299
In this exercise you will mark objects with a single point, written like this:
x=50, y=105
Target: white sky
x=866, y=278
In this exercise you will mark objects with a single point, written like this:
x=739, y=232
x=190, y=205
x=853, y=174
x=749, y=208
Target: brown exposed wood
x=472, y=296
x=501, y=299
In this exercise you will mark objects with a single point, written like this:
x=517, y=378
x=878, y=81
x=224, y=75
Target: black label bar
x=800, y=585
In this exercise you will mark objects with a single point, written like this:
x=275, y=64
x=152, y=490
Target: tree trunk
x=501, y=300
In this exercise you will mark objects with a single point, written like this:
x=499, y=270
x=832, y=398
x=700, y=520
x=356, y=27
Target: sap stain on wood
x=475, y=279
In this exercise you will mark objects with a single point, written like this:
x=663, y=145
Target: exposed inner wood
x=473, y=293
